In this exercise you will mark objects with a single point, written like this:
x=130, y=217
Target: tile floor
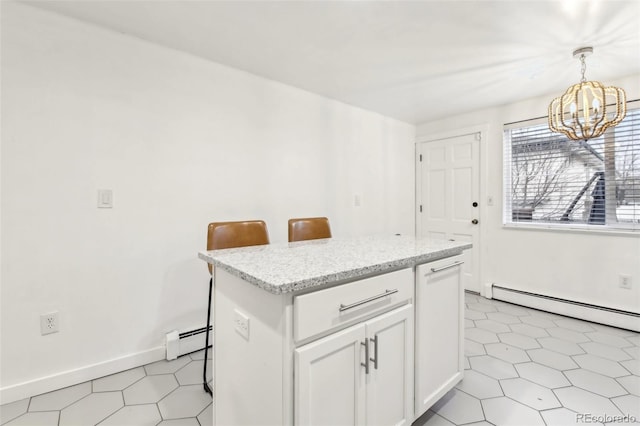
x=165, y=393
x=523, y=368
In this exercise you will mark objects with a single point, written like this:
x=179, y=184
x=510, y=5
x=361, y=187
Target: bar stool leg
x=206, y=346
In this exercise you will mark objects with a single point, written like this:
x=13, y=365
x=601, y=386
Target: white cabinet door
x=439, y=330
x=390, y=378
x=330, y=380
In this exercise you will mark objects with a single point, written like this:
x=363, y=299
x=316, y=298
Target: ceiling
x=412, y=60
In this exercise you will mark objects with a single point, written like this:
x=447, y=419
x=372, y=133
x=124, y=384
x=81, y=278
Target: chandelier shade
x=587, y=109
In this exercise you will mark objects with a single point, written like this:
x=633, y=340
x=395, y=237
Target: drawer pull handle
x=375, y=351
x=446, y=267
x=386, y=293
x=365, y=364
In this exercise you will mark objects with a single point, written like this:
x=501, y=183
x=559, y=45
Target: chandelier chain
x=583, y=67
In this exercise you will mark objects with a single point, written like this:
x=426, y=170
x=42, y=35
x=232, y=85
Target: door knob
x=474, y=221
x=475, y=204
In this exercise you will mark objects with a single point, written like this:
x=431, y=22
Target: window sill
x=574, y=228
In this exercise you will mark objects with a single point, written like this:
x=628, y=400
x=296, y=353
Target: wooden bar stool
x=309, y=228
x=221, y=235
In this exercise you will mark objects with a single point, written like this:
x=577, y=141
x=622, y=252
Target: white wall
x=576, y=266
x=181, y=142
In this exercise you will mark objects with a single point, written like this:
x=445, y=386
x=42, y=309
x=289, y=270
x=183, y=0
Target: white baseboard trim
x=79, y=375
x=593, y=313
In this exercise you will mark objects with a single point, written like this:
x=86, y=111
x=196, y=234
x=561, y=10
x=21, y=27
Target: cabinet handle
x=375, y=351
x=344, y=307
x=365, y=364
x=447, y=267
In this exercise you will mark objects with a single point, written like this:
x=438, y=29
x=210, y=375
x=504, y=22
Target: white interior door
x=449, y=196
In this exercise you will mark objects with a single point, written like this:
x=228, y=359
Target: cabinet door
x=329, y=380
x=390, y=378
x=439, y=330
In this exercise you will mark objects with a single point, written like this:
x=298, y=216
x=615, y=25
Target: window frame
x=618, y=228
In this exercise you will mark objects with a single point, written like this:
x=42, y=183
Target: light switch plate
x=105, y=199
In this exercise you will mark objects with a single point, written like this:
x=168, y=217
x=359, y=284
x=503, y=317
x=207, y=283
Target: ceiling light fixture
x=588, y=108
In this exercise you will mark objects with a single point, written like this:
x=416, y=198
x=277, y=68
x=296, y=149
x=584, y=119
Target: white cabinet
x=329, y=382
x=302, y=359
x=390, y=380
x=358, y=376
x=323, y=311
x=439, y=330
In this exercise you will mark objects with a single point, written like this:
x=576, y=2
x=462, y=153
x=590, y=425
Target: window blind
x=550, y=179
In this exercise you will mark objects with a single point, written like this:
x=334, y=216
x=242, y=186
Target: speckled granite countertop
x=288, y=267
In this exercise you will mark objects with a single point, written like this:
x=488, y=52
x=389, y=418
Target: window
x=553, y=181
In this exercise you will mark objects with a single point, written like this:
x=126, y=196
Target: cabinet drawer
x=346, y=304
x=448, y=264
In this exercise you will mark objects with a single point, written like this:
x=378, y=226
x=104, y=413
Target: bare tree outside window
x=536, y=174
x=554, y=179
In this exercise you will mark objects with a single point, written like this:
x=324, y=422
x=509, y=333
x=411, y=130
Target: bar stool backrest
x=223, y=235
x=309, y=228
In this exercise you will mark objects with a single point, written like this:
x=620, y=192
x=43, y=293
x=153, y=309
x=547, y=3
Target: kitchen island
x=327, y=331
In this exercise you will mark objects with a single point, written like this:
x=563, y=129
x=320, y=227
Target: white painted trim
x=483, y=163
x=567, y=308
x=482, y=128
x=573, y=227
x=79, y=375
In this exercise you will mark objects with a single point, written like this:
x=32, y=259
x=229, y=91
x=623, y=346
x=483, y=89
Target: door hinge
x=421, y=158
x=420, y=208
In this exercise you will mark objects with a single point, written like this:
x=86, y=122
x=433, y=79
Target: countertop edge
x=345, y=275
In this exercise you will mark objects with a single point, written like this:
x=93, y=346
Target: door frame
x=483, y=129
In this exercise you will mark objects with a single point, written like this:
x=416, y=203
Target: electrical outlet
x=49, y=323
x=241, y=322
x=625, y=281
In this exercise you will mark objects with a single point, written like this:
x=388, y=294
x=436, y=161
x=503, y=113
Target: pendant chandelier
x=588, y=108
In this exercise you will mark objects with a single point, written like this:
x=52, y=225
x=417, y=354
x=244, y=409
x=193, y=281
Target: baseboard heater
x=185, y=342
x=598, y=314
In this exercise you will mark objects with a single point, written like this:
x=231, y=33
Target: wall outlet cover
x=49, y=323
x=625, y=281
x=241, y=323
